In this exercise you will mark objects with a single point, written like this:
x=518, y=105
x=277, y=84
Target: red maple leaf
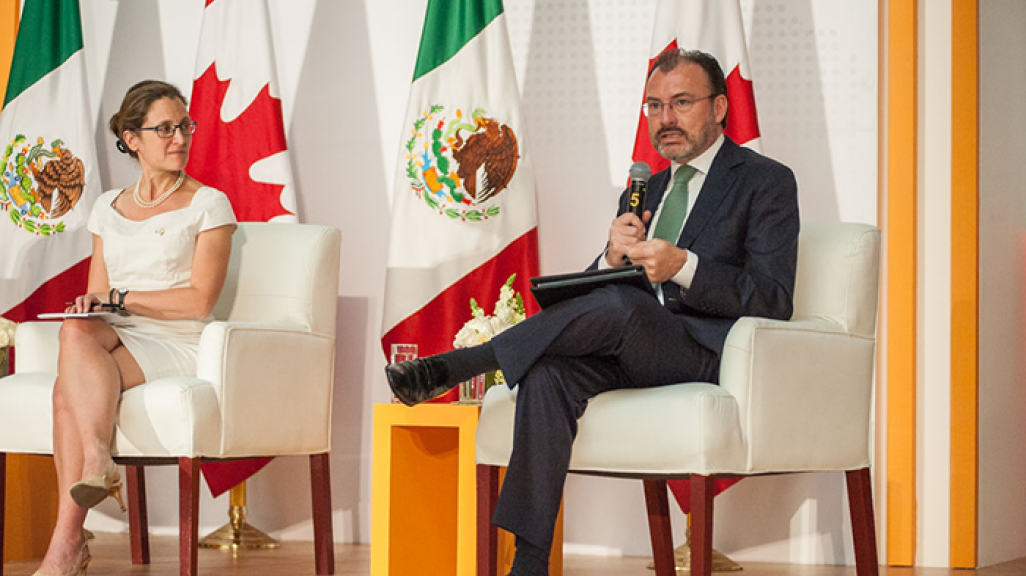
x=223, y=153
x=742, y=121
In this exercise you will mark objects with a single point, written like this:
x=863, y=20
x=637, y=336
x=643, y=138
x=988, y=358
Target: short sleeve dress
x=156, y=254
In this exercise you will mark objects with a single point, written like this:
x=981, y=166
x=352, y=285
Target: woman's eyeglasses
x=168, y=130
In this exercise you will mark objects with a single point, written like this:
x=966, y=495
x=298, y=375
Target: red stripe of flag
x=52, y=296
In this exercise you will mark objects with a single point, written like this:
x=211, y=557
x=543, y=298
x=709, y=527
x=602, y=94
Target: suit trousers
x=614, y=337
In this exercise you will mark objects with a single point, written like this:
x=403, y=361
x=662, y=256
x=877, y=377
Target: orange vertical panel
x=901, y=230
x=8, y=33
x=965, y=254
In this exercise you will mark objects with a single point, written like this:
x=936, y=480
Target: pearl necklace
x=156, y=202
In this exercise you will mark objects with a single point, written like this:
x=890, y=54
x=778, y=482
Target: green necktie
x=675, y=207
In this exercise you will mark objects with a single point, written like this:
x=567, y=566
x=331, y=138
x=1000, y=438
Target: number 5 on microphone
x=640, y=173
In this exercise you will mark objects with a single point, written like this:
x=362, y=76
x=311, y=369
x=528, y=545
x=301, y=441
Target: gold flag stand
x=682, y=557
x=237, y=534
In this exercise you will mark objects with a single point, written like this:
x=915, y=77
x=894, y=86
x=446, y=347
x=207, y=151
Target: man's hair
x=669, y=60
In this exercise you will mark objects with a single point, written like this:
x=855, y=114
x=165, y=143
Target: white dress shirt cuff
x=687, y=272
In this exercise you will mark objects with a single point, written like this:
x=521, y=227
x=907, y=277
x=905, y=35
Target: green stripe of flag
x=49, y=33
x=448, y=26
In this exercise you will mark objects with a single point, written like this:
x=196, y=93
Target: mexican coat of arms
x=39, y=184
x=458, y=167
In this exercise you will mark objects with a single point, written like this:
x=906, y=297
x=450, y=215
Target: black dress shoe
x=415, y=381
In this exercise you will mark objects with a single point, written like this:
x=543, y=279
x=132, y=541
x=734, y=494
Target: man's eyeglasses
x=168, y=130
x=677, y=105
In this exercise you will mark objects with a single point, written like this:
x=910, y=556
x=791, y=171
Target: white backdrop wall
x=1002, y=285
x=345, y=68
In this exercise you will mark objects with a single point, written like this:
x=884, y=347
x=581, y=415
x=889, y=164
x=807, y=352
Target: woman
x=160, y=251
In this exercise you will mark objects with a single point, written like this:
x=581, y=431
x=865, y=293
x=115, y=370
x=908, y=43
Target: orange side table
x=31, y=506
x=424, y=493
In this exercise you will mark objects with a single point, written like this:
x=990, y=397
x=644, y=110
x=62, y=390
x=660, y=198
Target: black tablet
x=548, y=290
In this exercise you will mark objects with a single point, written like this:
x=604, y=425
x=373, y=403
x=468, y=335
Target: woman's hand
x=84, y=303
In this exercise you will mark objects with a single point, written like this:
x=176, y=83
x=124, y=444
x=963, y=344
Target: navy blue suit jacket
x=744, y=229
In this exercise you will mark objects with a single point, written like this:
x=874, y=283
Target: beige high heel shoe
x=81, y=563
x=92, y=491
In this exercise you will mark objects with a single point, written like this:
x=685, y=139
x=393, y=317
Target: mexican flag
x=463, y=208
x=48, y=171
x=715, y=27
x=239, y=146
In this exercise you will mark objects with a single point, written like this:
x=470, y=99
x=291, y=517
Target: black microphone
x=640, y=173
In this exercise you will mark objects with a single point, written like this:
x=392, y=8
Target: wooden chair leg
x=3, y=496
x=659, y=528
x=863, y=522
x=188, y=515
x=320, y=488
x=138, y=519
x=702, y=492
x=487, y=533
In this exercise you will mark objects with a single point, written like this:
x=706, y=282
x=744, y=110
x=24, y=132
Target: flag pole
x=237, y=534
x=682, y=556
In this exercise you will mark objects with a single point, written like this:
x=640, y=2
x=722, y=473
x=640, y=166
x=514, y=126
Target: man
x=723, y=244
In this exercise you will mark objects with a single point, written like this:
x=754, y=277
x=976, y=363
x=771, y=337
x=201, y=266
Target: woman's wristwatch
x=117, y=305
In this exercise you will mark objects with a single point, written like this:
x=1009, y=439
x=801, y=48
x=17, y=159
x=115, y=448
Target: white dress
x=156, y=254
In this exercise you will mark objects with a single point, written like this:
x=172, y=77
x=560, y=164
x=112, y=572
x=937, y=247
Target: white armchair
x=794, y=396
x=263, y=385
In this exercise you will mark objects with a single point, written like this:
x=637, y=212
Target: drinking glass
x=402, y=353
x=472, y=391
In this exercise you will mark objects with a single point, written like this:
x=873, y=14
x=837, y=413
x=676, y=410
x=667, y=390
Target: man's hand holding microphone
x=628, y=243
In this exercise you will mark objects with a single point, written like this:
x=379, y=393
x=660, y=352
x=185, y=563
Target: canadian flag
x=239, y=147
x=715, y=27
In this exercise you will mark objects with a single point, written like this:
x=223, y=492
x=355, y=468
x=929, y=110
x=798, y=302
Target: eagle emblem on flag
x=39, y=184
x=458, y=167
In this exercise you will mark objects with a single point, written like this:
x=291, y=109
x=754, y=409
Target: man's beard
x=694, y=144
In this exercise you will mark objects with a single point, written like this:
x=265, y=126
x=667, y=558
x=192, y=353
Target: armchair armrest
x=804, y=391
x=37, y=345
x=268, y=374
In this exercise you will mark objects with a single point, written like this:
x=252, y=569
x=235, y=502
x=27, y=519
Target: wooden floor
x=111, y=557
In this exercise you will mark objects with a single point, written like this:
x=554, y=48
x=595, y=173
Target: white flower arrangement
x=7, y=329
x=509, y=310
